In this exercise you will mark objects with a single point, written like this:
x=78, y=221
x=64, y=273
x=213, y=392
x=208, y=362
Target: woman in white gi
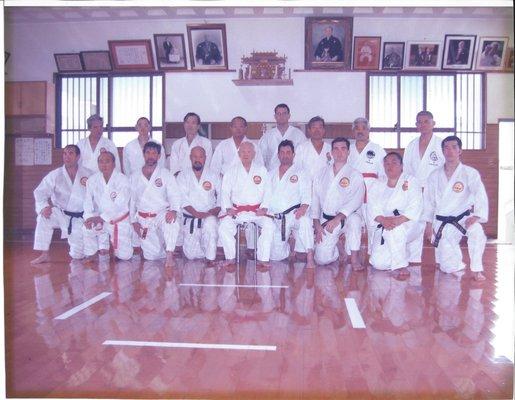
x=106, y=211
x=394, y=206
x=455, y=205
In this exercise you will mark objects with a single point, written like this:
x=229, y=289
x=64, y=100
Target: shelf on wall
x=263, y=82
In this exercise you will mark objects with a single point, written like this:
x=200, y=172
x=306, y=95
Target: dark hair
x=192, y=114
x=152, y=145
x=94, y=117
x=426, y=113
x=145, y=118
x=340, y=139
x=286, y=143
x=74, y=147
x=452, y=139
x=394, y=154
x=107, y=152
x=282, y=105
x=316, y=119
x=241, y=119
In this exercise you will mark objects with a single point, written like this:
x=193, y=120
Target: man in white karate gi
x=422, y=156
x=133, y=159
x=181, y=148
x=59, y=204
x=91, y=146
x=244, y=198
x=271, y=139
x=394, y=206
x=338, y=192
x=455, y=205
x=226, y=152
x=200, y=207
x=314, y=154
x=106, y=211
x=290, y=199
x=155, y=202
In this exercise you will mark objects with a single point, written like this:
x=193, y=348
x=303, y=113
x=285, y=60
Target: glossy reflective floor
x=137, y=329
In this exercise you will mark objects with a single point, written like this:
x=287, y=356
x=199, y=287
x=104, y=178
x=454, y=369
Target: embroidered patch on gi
x=113, y=195
x=371, y=154
x=344, y=182
x=433, y=156
x=294, y=178
x=83, y=180
x=159, y=182
x=405, y=186
x=458, y=187
x=207, y=185
x=257, y=179
x=103, y=150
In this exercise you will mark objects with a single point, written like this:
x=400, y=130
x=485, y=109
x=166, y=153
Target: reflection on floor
x=137, y=329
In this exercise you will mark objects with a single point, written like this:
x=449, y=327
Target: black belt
x=396, y=213
x=449, y=220
x=72, y=215
x=192, y=222
x=329, y=218
x=282, y=217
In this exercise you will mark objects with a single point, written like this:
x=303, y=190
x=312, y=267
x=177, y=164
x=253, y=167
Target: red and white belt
x=115, y=233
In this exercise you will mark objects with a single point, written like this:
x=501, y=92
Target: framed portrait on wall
x=208, y=47
x=491, y=53
x=393, y=55
x=458, y=51
x=423, y=55
x=170, y=51
x=367, y=51
x=68, y=62
x=96, y=61
x=132, y=55
x=328, y=43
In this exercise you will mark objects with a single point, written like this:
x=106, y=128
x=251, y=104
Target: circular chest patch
x=256, y=179
x=207, y=185
x=344, y=182
x=433, y=156
x=113, y=195
x=83, y=180
x=405, y=186
x=371, y=154
x=458, y=187
x=159, y=182
x=294, y=178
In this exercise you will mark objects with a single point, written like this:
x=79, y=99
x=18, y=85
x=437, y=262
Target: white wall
x=337, y=96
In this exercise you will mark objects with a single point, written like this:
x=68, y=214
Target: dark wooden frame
x=148, y=65
x=101, y=60
x=385, y=44
x=61, y=57
x=483, y=39
x=344, y=23
x=159, y=59
x=223, y=37
x=377, y=49
x=447, y=48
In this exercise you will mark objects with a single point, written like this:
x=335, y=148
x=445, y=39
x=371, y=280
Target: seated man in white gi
x=59, y=204
x=455, y=205
x=201, y=205
x=155, y=201
x=244, y=198
x=289, y=202
x=338, y=192
x=394, y=205
x=106, y=211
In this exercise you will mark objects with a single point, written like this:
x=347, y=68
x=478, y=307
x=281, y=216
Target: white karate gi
x=180, y=154
x=150, y=201
x=133, y=159
x=271, y=139
x=64, y=195
x=243, y=188
x=89, y=157
x=109, y=201
x=226, y=154
x=293, y=188
x=333, y=194
x=420, y=167
x=407, y=199
x=451, y=197
x=312, y=162
x=203, y=195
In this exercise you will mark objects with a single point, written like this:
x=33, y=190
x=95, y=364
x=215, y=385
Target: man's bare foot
x=230, y=267
x=103, y=252
x=357, y=267
x=43, y=258
x=479, y=277
x=211, y=263
x=89, y=259
x=401, y=274
x=263, y=266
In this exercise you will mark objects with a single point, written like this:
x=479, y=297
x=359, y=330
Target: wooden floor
x=136, y=329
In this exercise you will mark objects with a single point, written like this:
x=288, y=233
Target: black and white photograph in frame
x=491, y=53
x=393, y=55
x=170, y=51
x=458, y=51
x=208, y=46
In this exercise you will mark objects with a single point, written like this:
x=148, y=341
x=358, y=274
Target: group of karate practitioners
x=309, y=198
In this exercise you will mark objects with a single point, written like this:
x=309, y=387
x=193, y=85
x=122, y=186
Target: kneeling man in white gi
x=289, y=202
x=106, y=211
x=155, y=201
x=245, y=198
x=338, y=192
x=201, y=205
x=394, y=206
x=455, y=205
x=59, y=204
